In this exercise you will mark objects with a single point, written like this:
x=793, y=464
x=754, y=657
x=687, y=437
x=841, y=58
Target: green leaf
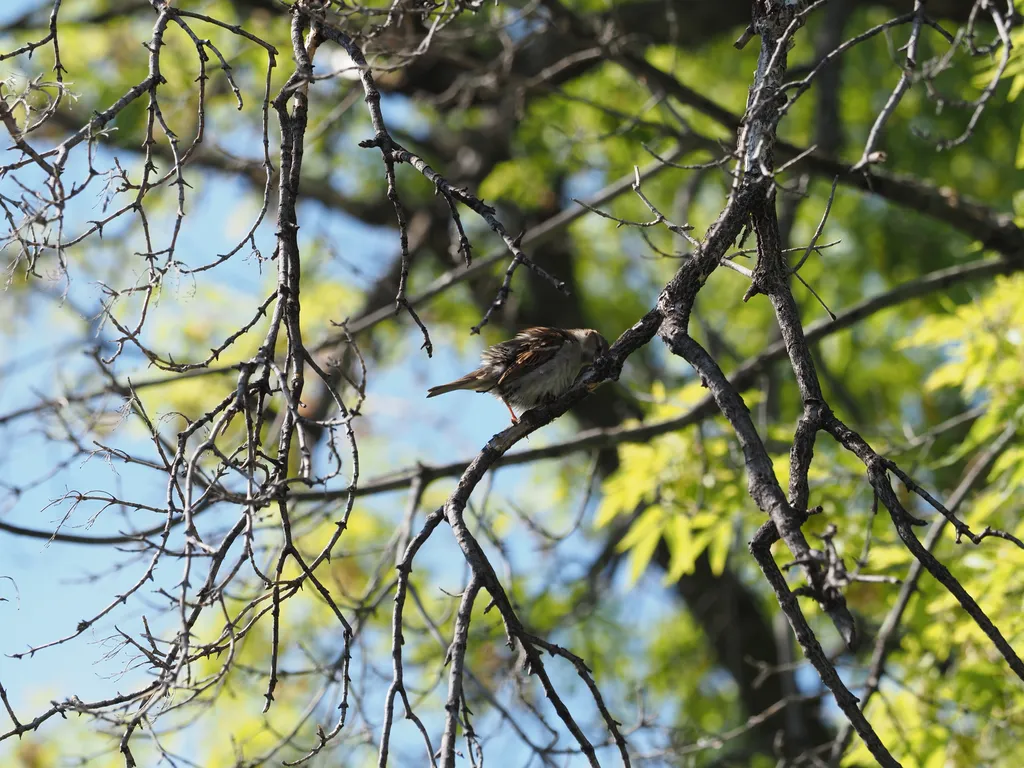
x=642, y=539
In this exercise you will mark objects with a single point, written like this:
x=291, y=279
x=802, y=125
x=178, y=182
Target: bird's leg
x=515, y=419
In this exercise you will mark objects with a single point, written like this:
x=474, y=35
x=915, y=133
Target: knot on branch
x=381, y=141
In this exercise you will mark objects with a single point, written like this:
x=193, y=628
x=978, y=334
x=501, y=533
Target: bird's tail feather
x=470, y=381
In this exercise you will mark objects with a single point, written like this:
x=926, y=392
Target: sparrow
x=538, y=365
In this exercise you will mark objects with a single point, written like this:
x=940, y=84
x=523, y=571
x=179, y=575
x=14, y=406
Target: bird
x=536, y=366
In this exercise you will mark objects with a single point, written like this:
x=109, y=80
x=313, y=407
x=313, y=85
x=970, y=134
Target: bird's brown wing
x=535, y=346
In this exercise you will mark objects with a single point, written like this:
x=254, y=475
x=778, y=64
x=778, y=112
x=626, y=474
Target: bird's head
x=593, y=343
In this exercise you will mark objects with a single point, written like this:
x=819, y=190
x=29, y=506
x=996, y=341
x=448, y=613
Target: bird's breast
x=546, y=381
